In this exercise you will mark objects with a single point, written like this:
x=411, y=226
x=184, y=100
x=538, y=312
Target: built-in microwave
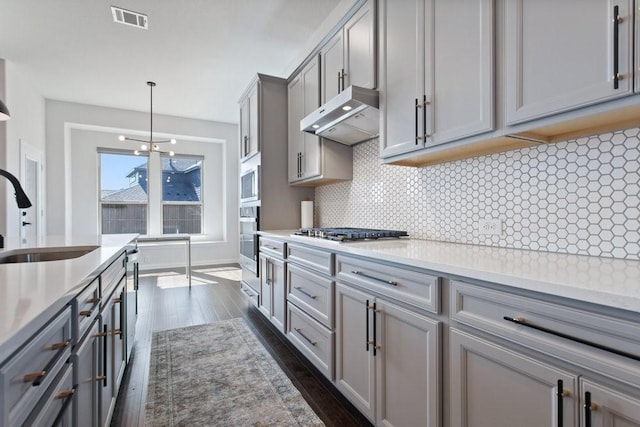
x=250, y=185
x=249, y=225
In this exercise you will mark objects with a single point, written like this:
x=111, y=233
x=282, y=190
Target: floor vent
x=128, y=17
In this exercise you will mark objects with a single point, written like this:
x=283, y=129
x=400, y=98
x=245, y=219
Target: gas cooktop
x=342, y=234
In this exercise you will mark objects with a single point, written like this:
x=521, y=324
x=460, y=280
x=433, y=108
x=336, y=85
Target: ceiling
x=201, y=53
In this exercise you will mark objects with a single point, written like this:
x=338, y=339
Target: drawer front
x=86, y=307
x=312, y=339
x=272, y=247
x=311, y=293
x=486, y=308
x=27, y=375
x=56, y=403
x=254, y=297
x=313, y=258
x=111, y=276
x=418, y=289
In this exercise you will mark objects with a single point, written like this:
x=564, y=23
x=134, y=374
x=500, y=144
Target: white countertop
x=32, y=292
x=605, y=281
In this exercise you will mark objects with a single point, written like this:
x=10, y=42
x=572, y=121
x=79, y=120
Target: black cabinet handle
x=424, y=118
x=560, y=395
x=105, y=331
x=522, y=321
x=303, y=292
x=417, y=138
x=588, y=408
x=375, y=346
x=617, y=19
x=366, y=312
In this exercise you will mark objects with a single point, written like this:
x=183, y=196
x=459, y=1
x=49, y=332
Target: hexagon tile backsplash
x=579, y=196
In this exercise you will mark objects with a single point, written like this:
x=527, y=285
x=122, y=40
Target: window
x=123, y=193
x=181, y=195
x=149, y=195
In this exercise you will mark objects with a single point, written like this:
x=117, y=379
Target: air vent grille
x=128, y=17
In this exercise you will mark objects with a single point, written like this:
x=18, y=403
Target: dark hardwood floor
x=165, y=302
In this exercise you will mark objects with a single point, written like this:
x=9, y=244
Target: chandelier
x=149, y=146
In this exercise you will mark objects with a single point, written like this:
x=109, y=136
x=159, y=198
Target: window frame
x=183, y=203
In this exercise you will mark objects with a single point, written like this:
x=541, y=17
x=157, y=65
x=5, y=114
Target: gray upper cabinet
x=436, y=72
x=349, y=58
x=312, y=160
x=562, y=55
x=249, y=140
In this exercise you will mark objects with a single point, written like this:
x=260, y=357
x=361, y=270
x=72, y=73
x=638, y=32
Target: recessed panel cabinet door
x=332, y=63
x=402, y=58
x=608, y=407
x=311, y=90
x=360, y=48
x=85, y=363
x=407, y=367
x=355, y=369
x=495, y=386
x=295, y=97
x=278, y=279
x=565, y=54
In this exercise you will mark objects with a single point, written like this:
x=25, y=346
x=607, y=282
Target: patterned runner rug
x=219, y=374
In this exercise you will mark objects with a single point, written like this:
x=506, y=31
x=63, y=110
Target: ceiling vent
x=128, y=17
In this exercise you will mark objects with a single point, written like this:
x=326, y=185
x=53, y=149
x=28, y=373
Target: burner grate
x=349, y=234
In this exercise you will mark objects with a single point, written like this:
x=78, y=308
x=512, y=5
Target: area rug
x=219, y=374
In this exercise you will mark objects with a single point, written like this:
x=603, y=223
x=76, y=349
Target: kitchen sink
x=44, y=254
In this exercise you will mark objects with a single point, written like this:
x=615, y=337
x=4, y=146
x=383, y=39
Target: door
x=249, y=124
x=562, y=55
x=278, y=278
x=85, y=364
x=332, y=62
x=608, y=407
x=295, y=97
x=360, y=48
x=355, y=364
x=402, y=92
x=495, y=386
x=311, y=160
x=459, y=72
x=407, y=367
x=265, y=285
x=105, y=387
x=31, y=178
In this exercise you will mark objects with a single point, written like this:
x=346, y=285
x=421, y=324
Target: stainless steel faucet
x=21, y=197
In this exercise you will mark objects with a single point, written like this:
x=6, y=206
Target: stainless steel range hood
x=350, y=117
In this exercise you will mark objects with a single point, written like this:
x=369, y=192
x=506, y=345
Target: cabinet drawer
x=254, y=297
x=26, y=376
x=311, y=338
x=486, y=308
x=112, y=275
x=57, y=402
x=85, y=309
x=272, y=247
x=311, y=293
x=313, y=258
x=419, y=289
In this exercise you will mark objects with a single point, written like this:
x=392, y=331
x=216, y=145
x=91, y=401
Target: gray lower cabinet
x=608, y=406
x=387, y=359
x=272, y=284
x=85, y=362
x=495, y=386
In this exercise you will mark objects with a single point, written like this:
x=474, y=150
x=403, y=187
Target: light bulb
x=156, y=147
x=171, y=153
x=172, y=140
x=144, y=147
x=122, y=138
x=136, y=152
x=347, y=107
x=315, y=126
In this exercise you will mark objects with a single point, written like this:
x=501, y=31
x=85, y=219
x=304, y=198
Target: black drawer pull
x=302, y=291
x=522, y=321
x=299, y=331
x=388, y=282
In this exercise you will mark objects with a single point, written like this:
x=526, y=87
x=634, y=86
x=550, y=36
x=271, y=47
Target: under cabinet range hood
x=350, y=117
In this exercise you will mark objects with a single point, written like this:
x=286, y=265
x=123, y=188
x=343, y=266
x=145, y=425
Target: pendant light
x=149, y=146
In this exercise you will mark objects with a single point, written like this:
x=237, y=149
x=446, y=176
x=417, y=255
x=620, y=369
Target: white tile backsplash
x=580, y=197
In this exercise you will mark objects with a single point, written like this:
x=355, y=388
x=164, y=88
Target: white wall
x=74, y=132
x=27, y=124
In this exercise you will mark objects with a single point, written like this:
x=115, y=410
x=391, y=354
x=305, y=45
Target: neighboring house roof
x=134, y=193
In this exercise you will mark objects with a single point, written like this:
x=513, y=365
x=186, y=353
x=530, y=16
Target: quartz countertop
x=605, y=281
x=30, y=293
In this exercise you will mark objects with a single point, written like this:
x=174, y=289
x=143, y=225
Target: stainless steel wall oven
x=249, y=226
